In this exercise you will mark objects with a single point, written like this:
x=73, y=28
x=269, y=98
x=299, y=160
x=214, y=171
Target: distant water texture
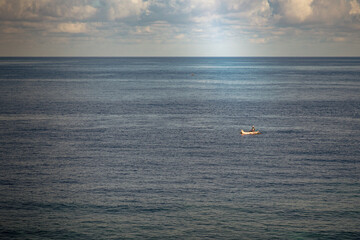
x=150, y=148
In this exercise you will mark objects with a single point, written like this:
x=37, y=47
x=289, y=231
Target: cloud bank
x=165, y=25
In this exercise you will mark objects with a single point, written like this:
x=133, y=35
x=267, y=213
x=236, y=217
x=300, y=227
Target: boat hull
x=249, y=133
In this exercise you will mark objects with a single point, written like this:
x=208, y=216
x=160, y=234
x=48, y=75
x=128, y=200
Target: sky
x=180, y=28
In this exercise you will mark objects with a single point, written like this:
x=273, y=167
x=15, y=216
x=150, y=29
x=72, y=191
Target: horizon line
x=179, y=56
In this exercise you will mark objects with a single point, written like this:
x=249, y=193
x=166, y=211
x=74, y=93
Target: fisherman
x=253, y=129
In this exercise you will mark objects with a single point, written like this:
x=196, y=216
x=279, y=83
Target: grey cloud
x=142, y=12
x=315, y=12
x=70, y=10
x=44, y=10
x=257, y=21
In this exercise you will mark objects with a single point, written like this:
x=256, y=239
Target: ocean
x=150, y=148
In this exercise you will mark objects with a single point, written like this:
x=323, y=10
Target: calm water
x=149, y=148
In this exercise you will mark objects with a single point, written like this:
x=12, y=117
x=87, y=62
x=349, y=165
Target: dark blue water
x=149, y=148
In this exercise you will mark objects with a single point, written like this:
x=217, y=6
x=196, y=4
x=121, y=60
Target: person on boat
x=253, y=129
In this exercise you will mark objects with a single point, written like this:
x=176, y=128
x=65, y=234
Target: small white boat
x=249, y=133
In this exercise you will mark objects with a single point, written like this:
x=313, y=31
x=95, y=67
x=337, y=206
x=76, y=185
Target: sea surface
x=149, y=148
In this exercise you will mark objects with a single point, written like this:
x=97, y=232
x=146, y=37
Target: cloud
x=292, y=11
x=355, y=7
x=317, y=13
x=259, y=40
x=246, y=9
x=262, y=22
x=180, y=36
x=71, y=28
x=119, y=9
x=140, y=12
x=338, y=39
x=81, y=12
x=64, y=10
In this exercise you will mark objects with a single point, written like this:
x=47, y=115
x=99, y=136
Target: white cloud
x=82, y=12
x=180, y=36
x=180, y=21
x=18, y=9
x=119, y=9
x=355, y=7
x=256, y=12
x=293, y=11
x=259, y=40
x=11, y=30
x=71, y=28
x=143, y=30
x=61, y=10
x=204, y=5
x=338, y=39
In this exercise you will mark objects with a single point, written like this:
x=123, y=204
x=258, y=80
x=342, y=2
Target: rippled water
x=134, y=148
